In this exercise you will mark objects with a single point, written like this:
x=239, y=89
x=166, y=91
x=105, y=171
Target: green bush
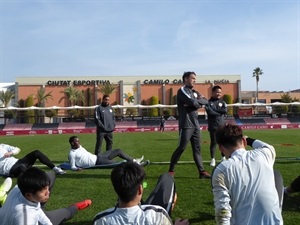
x=30, y=113
x=167, y=112
x=280, y=109
x=51, y=113
x=131, y=111
x=294, y=108
x=9, y=114
x=228, y=100
x=75, y=113
x=154, y=101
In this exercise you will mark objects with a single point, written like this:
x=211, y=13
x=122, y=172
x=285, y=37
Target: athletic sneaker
x=84, y=204
x=204, y=175
x=139, y=160
x=4, y=188
x=213, y=162
x=58, y=170
x=145, y=163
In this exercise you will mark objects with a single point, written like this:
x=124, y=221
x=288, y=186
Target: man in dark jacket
x=216, y=110
x=188, y=103
x=105, y=121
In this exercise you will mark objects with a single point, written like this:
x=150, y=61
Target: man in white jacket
x=11, y=166
x=244, y=185
x=24, y=203
x=80, y=158
x=127, y=180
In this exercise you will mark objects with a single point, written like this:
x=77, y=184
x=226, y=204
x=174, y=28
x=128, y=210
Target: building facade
x=248, y=97
x=130, y=90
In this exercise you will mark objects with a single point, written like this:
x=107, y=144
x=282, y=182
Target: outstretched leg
x=31, y=157
x=164, y=194
x=29, y=160
x=111, y=154
x=60, y=215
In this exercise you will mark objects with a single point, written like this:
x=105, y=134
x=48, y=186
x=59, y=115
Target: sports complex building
x=129, y=92
x=134, y=90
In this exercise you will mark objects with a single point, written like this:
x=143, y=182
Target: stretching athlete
x=80, y=158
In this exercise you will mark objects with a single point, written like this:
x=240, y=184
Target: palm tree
x=107, y=88
x=73, y=95
x=256, y=73
x=42, y=96
x=6, y=97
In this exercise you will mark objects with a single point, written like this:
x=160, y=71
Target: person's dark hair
x=216, y=87
x=229, y=135
x=105, y=96
x=187, y=75
x=71, y=139
x=33, y=180
x=126, y=179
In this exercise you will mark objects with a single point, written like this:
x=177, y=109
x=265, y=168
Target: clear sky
x=155, y=37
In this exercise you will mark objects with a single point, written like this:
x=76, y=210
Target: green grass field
x=195, y=199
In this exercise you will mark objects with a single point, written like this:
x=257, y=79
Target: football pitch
x=195, y=199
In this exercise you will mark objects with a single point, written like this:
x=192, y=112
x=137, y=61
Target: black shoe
x=204, y=175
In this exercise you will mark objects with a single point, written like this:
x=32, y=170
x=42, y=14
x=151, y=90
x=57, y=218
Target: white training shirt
x=137, y=215
x=6, y=163
x=244, y=188
x=81, y=158
x=17, y=210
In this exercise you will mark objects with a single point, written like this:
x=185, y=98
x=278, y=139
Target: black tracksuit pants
x=185, y=136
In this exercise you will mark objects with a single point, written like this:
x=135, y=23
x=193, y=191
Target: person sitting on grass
x=25, y=202
x=80, y=158
x=127, y=180
x=13, y=167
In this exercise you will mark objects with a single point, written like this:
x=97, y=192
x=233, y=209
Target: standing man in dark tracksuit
x=216, y=110
x=188, y=103
x=162, y=124
x=104, y=118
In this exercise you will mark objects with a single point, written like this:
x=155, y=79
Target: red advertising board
x=137, y=129
x=245, y=112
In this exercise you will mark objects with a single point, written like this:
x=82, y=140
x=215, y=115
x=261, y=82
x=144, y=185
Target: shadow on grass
x=291, y=203
x=202, y=216
x=164, y=139
x=79, y=223
x=77, y=175
x=287, y=161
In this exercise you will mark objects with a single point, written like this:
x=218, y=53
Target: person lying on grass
x=80, y=158
x=13, y=167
